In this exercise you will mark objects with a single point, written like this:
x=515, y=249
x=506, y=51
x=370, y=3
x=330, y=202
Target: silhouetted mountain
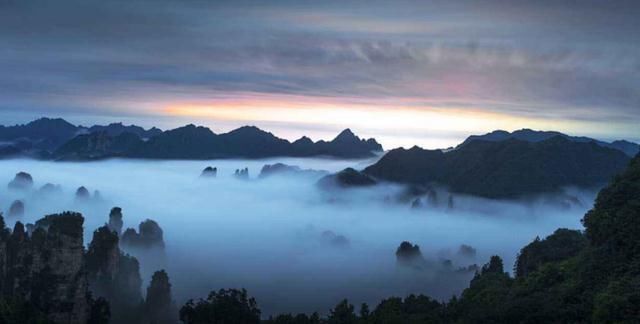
x=45, y=270
x=40, y=137
x=44, y=133
x=252, y=142
x=629, y=148
x=528, y=135
x=346, y=145
x=348, y=177
x=97, y=145
x=504, y=169
x=269, y=170
x=116, y=129
x=191, y=142
x=188, y=142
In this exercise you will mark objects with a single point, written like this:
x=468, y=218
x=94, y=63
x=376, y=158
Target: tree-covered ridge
x=504, y=169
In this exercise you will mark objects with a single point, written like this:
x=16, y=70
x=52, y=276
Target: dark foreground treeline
x=568, y=277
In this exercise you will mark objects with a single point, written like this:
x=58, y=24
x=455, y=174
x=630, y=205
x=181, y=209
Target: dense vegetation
x=504, y=169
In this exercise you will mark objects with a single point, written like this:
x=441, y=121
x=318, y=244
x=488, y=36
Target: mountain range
x=60, y=140
x=508, y=168
x=495, y=165
x=529, y=135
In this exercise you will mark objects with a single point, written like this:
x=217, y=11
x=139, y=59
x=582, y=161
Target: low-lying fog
x=267, y=235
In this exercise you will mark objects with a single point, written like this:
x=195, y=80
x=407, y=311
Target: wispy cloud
x=571, y=61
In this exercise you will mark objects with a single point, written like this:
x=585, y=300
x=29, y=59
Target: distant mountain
x=116, y=129
x=281, y=169
x=44, y=133
x=188, y=142
x=347, y=178
x=629, y=148
x=97, y=145
x=346, y=144
x=252, y=142
x=504, y=169
x=191, y=142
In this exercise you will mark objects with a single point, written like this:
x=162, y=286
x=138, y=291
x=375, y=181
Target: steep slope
x=97, y=145
x=45, y=269
x=504, y=169
x=346, y=145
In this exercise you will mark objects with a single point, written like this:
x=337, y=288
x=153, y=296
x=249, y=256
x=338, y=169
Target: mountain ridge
x=629, y=148
x=60, y=140
x=503, y=169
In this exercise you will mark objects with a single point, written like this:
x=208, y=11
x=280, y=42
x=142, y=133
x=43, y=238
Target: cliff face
x=47, y=268
x=114, y=275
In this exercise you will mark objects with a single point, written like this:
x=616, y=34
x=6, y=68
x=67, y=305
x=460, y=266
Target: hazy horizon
x=452, y=140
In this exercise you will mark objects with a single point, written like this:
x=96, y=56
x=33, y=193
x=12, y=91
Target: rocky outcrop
x=114, y=276
x=97, y=195
x=209, y=172
x=150, y=235
x=269, y=170
x=346, y=178
x=337, y=240
x=417, y=204
x=278, y=168
x=467, y=251
x=159, y=306
x=22, y=181
x=16, y=209
x=115, y=220
x=49, y=189
x=82, y=194
x=242, y=174
x=409, y=255
x=46, y=269
x=432, y=198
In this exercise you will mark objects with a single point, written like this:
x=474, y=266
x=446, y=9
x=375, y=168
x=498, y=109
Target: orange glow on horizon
x=385, y=116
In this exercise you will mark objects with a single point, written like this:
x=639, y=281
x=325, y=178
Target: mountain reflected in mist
x=294, y=245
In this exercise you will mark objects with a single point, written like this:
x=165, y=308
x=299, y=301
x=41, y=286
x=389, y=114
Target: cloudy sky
x=406, y=72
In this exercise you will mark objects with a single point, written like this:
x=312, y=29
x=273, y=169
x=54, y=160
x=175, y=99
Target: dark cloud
x=581, y=57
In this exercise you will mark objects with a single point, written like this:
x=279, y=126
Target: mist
x=270, y=235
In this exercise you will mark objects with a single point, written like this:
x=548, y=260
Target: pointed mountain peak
x=303, y=140
x=346, y=135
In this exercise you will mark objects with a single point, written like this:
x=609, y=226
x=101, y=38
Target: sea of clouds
x=270, y=235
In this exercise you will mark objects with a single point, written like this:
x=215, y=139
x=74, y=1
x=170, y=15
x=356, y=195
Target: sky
x=405, y=72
